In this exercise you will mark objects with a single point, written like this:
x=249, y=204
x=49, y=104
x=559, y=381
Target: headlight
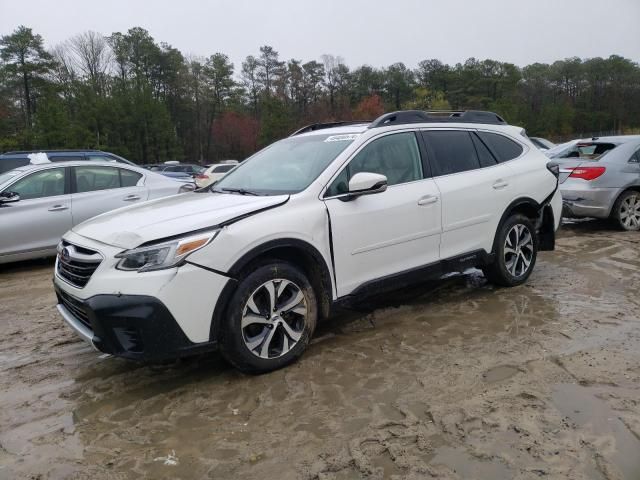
x=163, y=255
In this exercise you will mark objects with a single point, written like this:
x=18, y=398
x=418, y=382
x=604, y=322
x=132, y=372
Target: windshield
x=286, y=167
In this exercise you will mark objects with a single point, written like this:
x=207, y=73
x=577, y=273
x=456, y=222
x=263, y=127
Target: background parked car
x=182, y=177
x=542, y=143
x=214, y=172
x=189, y=168
x=600, y=178
x=11, y=160
x=39, y=203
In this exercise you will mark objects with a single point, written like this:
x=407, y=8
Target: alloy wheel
x=630, y=212
x=274, y=318
x=518, y=250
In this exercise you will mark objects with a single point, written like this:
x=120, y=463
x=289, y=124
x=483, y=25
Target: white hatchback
x=334, y=213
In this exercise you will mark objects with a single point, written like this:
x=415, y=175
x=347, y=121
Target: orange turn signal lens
x=190, y=246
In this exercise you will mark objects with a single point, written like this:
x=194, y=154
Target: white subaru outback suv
x=333, y=213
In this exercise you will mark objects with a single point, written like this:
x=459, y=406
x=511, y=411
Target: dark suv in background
x=11, y=160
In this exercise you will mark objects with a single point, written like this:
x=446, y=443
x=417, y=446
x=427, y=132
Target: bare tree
x=331, y=70
x=93, y=57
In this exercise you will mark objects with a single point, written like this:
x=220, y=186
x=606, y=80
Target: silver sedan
x=39, y=203
x=600, y=177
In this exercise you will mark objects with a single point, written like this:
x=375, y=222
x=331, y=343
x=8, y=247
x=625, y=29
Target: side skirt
x=459, y=263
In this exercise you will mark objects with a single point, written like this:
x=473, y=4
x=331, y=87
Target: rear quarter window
x=503, y=148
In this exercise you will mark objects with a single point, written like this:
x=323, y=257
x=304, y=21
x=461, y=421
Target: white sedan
x=214, y=172
x=39, y=203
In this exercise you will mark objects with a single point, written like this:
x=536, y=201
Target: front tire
x=516, y=250
x=626, y=211
x=270, y=319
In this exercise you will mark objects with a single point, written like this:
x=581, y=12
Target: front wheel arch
x=295, y=251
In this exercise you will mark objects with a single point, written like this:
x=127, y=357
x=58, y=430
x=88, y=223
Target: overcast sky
x=361, y=31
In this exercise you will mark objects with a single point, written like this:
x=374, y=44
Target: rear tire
x=515, y=250
x=270, y=319
x=626, y=211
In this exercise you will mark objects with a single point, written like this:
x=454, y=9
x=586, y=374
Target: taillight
x=587, y=173
x=202, y=176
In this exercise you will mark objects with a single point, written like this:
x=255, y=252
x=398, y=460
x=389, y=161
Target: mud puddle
x=468, y=467
x=602, y=426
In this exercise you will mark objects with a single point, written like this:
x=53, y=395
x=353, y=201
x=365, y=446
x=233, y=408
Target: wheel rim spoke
x=264, y=349
x=255, y=342
x=270, y=287
x=295, y=336
x=251, y=319
x=294, y=302
x=251, y=305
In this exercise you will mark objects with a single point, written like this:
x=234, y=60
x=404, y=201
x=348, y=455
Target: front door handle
x=500, y=184
x=58, y=208
x=428, y=200
x=131, y=198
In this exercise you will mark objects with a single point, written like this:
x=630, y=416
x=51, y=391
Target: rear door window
x=450, y=151
x=503, y=148
x=90, y=179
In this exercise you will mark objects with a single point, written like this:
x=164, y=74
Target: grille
x=74, y=306
x=77, y=264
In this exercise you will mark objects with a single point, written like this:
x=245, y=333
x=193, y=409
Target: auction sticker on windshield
x=347, y=137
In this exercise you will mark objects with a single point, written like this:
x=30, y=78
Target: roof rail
x=438, y=116
x=319, y=126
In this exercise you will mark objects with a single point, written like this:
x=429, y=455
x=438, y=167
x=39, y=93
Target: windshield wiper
x=241, y=191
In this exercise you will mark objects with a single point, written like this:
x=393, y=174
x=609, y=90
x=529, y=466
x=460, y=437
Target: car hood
x=132, y=226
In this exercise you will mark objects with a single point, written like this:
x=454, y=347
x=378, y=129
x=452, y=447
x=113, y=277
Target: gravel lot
x=452, y=379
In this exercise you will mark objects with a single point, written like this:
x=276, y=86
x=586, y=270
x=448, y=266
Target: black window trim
x=524, y=146
x=426, y=169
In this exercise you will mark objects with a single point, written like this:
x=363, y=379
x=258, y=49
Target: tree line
x=131, y=95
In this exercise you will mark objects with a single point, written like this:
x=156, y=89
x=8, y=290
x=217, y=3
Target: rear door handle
x=131, y=198
x=428, y=200
x=58, y=208
x=500, y=184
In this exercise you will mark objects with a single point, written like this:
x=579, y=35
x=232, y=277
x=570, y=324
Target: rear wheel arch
x=525, y=206
x=297, y=252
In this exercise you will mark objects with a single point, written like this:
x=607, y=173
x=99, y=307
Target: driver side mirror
x=366, y=183
x=9, y=197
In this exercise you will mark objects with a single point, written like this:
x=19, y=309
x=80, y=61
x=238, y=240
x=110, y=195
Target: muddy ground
x=452, y=379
